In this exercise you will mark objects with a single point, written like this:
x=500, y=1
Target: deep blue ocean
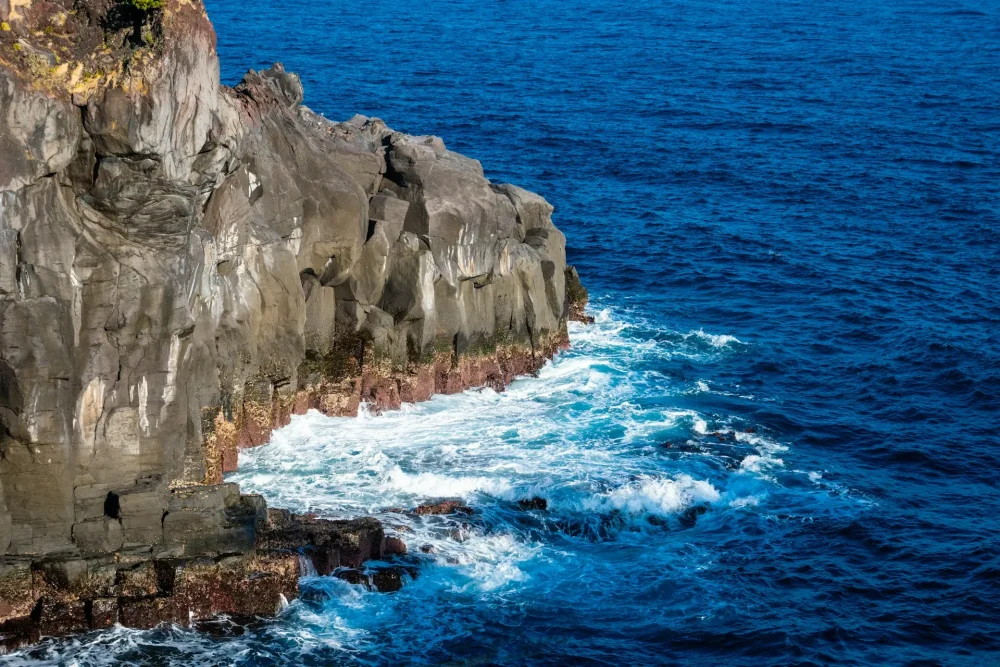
x=778, y=445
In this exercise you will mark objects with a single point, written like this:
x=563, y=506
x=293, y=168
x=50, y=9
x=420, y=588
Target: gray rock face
x=184, y=265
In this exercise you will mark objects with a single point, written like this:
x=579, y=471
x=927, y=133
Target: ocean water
x=778, y=444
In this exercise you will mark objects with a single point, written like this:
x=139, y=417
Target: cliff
x=185, y=265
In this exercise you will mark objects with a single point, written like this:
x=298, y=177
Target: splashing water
x=627, y=473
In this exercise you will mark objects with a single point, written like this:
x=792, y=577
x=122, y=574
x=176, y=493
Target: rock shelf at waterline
x=183, y=266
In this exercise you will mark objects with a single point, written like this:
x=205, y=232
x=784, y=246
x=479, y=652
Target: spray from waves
x=714, y=340
x=434, y=485
x=655, y=497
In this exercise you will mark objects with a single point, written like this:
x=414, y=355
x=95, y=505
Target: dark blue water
x=788, y=214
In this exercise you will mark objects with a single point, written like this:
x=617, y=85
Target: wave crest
x=655, y=496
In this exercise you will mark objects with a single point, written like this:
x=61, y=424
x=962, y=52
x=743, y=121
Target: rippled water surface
x=779, y=442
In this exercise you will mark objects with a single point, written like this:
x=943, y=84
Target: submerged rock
x=536, y=503
x=382, y=579
x=352, y=576
x=387, y=580
x=689, y=517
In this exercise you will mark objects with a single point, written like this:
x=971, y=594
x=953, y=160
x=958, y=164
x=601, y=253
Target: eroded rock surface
x=183, y=266
x=255, y=574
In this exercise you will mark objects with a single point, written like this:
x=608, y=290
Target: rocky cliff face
x=184, y=265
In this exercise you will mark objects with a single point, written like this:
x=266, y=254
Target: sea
x=779, y=441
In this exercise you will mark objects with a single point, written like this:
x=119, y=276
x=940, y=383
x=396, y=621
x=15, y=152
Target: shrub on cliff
x=145, y=5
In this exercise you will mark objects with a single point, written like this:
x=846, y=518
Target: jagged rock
x=535, y=503
x=576, y=297
x=689, y=517
x=329, y=544
x=387, y=580
x=57, y=617
x=103, y=613
x=352, y=576
x=383, y=579
x=443, y=507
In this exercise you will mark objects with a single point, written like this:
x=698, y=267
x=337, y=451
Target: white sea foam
x=434, y=485
x=761, y=442
x=745, y=501
x=715, y=340
x=585, y=435
x=758, y=463
x=654, y=496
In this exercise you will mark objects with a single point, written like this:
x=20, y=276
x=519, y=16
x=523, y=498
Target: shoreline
x=136, y=587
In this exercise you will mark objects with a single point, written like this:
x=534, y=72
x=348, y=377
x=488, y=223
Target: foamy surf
x=604, y=439
x=571, y=436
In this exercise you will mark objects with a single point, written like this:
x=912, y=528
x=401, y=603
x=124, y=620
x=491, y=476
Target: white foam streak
x=434, y=485
x=658, y=497
x=715, y=340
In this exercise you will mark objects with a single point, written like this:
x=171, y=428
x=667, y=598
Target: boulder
x=535, y=503
x=443, y=507
x=394, y=546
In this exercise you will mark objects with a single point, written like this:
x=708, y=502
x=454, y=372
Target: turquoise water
x=778, y=443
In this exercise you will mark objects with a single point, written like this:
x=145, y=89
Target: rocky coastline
x=183, y=267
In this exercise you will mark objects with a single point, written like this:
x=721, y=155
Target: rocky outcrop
x=576, y=297
x=254, y=569
x=183, y=266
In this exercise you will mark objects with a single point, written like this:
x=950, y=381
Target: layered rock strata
x=242, y=560
x=184, y=265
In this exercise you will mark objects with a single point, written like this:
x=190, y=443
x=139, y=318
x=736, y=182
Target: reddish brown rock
x=417, y=386
x=394, y=546
x=443, y=507
x=61, y=616
x=67, y=594
x=329, y=544
x=103, y=613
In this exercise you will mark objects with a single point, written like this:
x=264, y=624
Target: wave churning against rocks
x=625, y=466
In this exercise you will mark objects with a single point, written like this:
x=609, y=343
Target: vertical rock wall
x=184, y=265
